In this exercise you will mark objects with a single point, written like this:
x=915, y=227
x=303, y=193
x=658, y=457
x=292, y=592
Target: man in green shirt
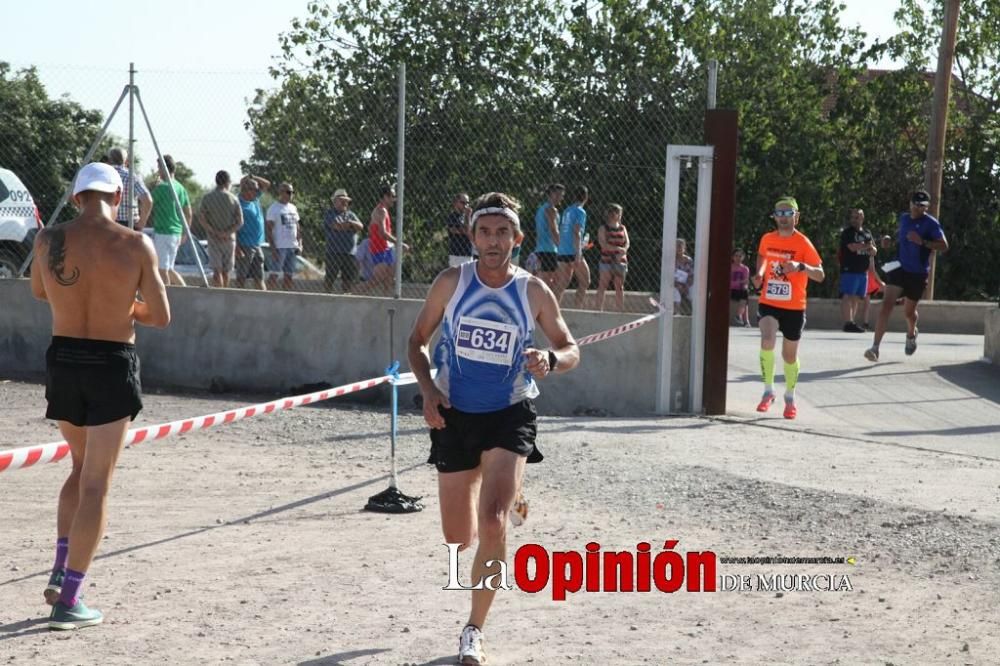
x=168, y=226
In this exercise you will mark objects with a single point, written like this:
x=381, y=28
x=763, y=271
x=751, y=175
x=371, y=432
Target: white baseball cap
x=99, y=177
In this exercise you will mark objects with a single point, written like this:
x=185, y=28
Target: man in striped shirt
x=138, y=195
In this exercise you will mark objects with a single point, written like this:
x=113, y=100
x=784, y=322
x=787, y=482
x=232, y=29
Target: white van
x=19, y=222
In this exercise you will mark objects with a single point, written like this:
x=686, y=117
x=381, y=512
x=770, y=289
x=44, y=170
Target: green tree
x=472, y=81
x=488, y=108
x=893, y=113
x=513, y=95
x=42, y=140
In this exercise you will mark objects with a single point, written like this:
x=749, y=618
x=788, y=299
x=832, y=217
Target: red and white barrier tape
x=55, y=451
x=43, y=453
x=624, y=328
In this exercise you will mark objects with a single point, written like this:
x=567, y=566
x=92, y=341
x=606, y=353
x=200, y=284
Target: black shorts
x=566, y=258
x=91, y=382
x=912, y=284
x=344, y=265
x=546, y=261
x=790, y=322
x=739, y=294
x=457, y=447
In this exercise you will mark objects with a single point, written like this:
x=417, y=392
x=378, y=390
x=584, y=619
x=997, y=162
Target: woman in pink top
x=739, y=280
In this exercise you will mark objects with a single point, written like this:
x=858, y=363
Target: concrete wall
x=991, y=346
x=248, y=340
x=935, y=316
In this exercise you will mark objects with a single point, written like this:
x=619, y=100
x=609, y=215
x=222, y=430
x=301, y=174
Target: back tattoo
x=57, y=256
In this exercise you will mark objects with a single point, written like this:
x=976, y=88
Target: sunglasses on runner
x=785, y=213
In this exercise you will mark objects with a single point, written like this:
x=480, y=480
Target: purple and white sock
x=71, y=587
x=62, y=550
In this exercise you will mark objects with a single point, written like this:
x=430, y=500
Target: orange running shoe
x=790, y=411
x=766, y=402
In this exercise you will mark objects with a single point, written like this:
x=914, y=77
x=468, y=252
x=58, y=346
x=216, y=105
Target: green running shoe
x=911, y=343
x=54, y=588
x=79, y=616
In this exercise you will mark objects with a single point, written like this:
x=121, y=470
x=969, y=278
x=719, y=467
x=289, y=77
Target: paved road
x=942, y=398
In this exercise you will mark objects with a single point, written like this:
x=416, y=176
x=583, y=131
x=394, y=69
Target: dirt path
x=247, y=544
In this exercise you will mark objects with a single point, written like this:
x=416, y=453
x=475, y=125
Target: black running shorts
x=912, y=284
x=546, y=261
x=457, y=446
x=91, y=382
x=790, y=322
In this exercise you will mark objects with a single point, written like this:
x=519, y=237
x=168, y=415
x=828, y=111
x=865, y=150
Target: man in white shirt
x=284, y=233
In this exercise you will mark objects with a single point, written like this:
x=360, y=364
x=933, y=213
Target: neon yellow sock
x=791, y=376
x=767, y=368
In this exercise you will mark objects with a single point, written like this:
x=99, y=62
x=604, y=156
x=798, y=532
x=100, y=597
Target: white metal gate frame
x=668, y=264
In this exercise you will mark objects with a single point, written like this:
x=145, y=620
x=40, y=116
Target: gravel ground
x=247, y=544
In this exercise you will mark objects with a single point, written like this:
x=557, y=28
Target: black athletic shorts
x=91, y=382
x=565, y=258
x=912, y=284
x=343, y=264
x=790, y=322
x=739, y=294
x=546, y=261
x=457, y=446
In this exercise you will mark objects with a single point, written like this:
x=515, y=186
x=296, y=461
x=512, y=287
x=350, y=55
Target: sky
x=198, y=64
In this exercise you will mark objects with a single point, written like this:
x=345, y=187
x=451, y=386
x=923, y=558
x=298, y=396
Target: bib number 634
x=486, y=341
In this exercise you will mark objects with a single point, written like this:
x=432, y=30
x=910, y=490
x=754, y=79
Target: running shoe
x=54, y=588
x=79, y=616
x=470, y=646
x=519, y=511
x=790, y=411
x=911, y=343
x=766, y=402
x=851, y=327
x=871, y=354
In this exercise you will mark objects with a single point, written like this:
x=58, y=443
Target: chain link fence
x=301, y=131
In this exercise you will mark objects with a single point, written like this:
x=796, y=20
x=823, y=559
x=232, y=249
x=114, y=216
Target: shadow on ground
x=235, y=521
x=977, y=377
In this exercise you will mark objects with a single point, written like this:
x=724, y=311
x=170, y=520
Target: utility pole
x=939, y=120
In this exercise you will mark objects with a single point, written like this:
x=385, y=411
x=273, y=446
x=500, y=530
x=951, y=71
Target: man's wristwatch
x=552, y=361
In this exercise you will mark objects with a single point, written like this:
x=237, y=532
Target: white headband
x=506, y=212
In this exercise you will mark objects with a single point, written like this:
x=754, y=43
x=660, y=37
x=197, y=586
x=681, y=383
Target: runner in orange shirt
x=786, y=261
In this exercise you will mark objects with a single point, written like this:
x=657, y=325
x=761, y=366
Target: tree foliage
x=44, y=140
x=509, y=96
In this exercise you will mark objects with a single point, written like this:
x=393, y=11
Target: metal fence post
x=400, y=179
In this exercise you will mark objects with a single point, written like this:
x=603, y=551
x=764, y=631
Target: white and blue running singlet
x=484, y=333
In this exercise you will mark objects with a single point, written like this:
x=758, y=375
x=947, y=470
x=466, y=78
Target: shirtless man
x=89, y=270
x=479, y=407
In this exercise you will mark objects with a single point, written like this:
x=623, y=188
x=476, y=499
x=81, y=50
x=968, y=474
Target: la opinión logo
x=595, y=570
